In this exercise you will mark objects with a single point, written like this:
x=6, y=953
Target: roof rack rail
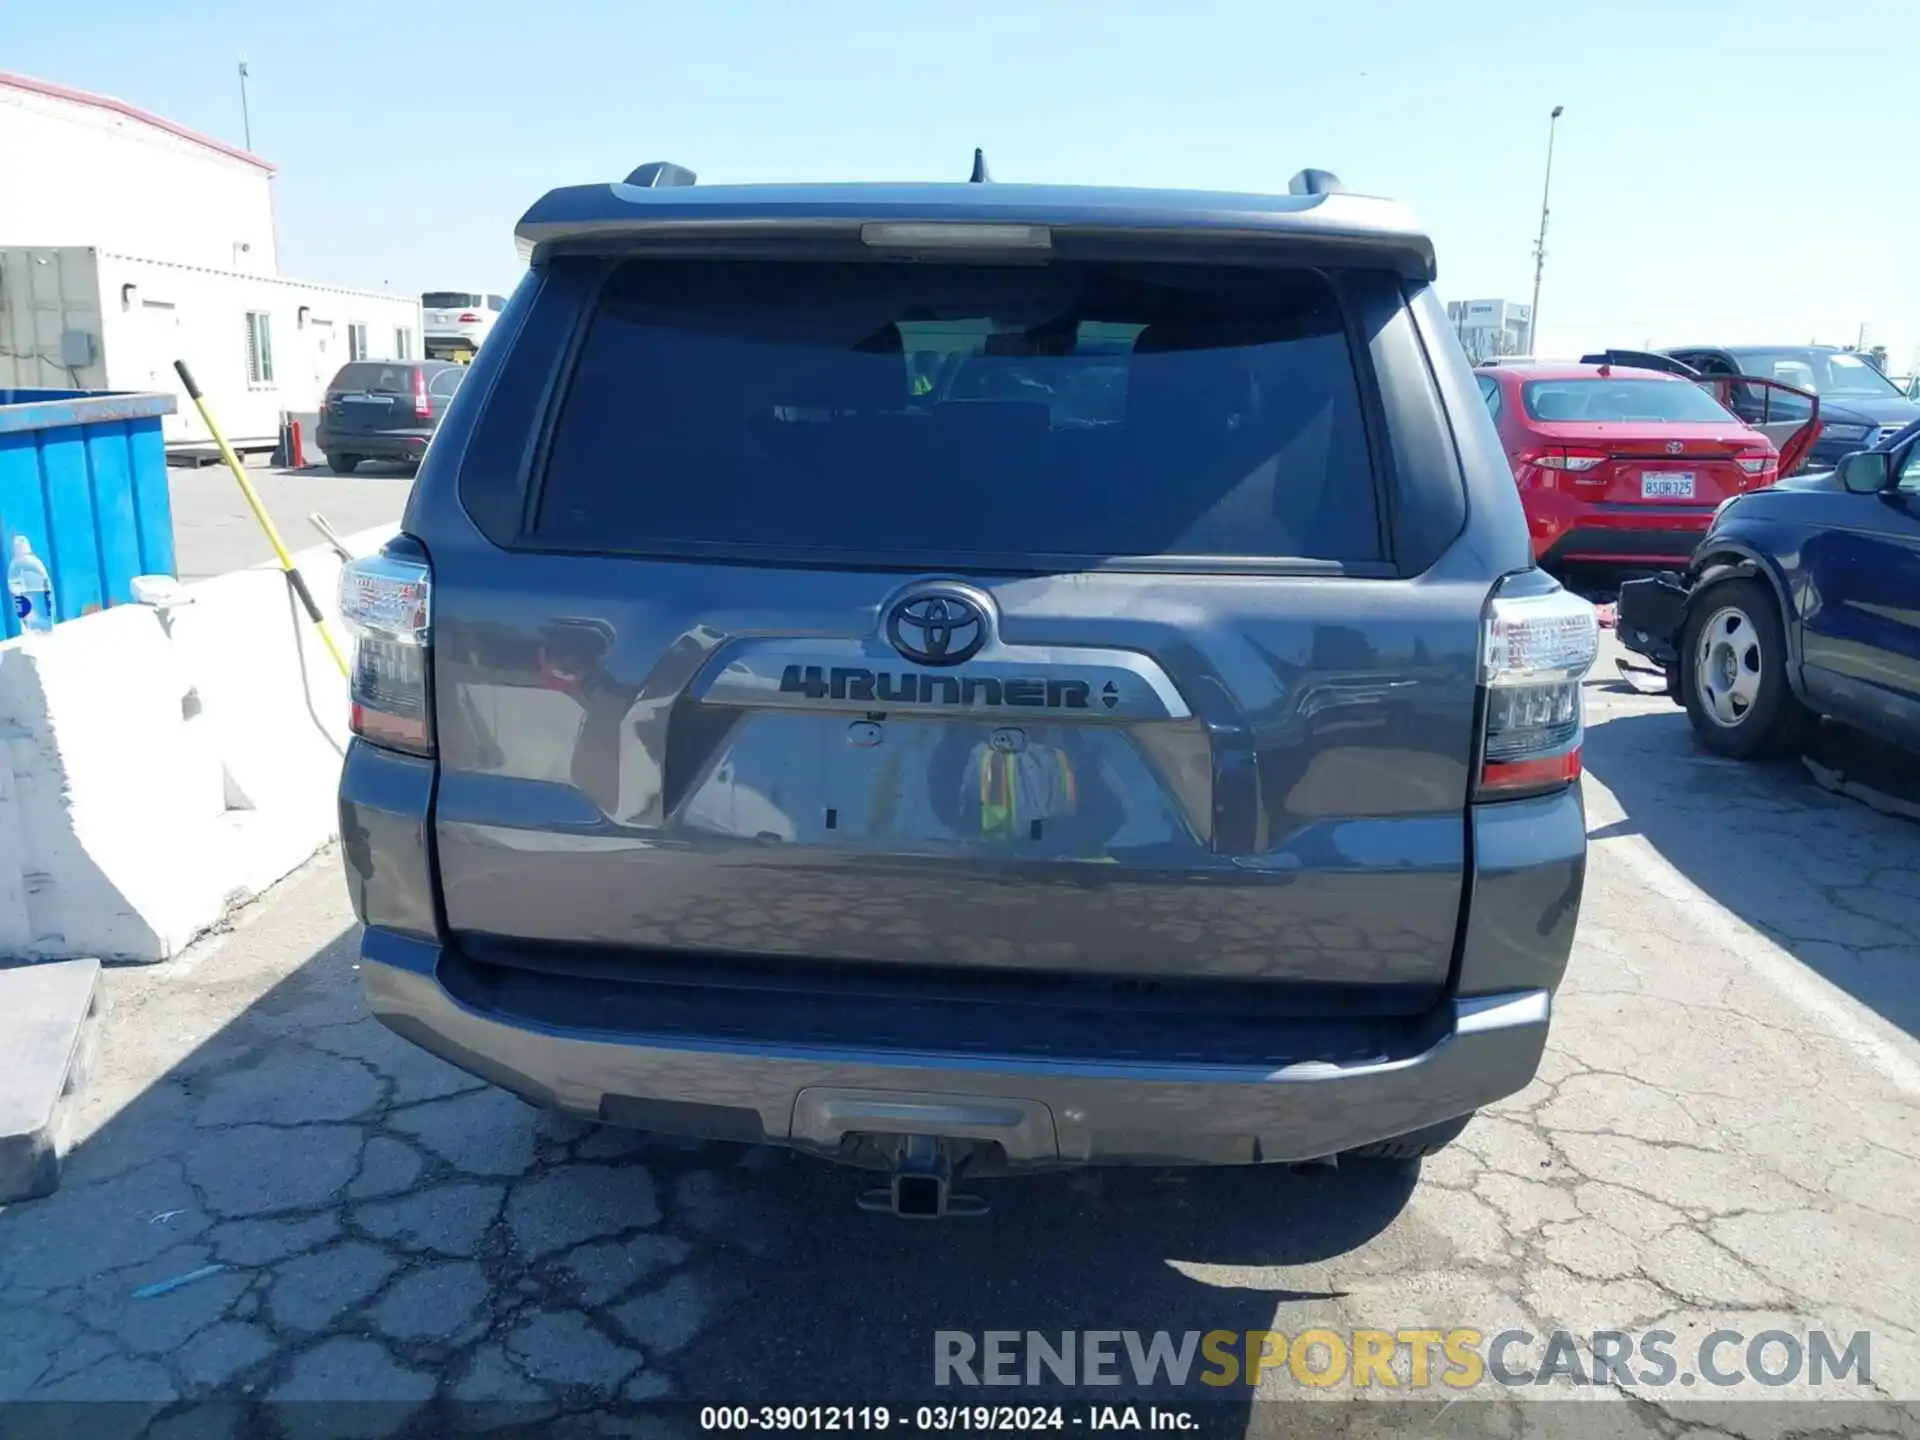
x=980, y=175
x=659, y=174
x=1315, y=182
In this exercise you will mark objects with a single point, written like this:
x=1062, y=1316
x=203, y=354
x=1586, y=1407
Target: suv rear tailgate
x=1205, y=734
x=372, y=397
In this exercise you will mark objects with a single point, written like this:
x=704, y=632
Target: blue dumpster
x=83, y=475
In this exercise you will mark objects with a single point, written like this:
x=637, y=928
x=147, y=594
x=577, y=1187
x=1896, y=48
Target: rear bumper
x=1567, y=531
x=373, y=444
x=811, y=1070
x=1040, y=1113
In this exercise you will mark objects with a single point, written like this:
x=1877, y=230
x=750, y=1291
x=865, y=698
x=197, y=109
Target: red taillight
x=421, y=409
x=1535, y=651
x=1551, y=771
x=469, y=318
x=386, y=602
x=1760, y=465
x=1574, y=462
x=1578, y=465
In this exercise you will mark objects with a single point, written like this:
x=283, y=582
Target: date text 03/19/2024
x=941, y=1419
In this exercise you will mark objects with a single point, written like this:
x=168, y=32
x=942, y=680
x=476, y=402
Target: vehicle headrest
x=1187, y=376
x=1564, y=403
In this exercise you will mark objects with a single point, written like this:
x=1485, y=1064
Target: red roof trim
x=11, y=81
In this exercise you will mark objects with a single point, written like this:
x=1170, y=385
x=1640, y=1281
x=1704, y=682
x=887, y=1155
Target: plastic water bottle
x=31, y=588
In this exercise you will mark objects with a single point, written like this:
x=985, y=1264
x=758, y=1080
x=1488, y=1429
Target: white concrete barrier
x=162, y=765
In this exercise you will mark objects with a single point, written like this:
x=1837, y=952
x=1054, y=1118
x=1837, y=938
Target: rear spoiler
x=1643, y=360
x=1320, y=223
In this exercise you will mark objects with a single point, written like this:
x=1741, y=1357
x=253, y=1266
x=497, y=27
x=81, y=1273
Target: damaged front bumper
x=1649, y=618
x=1651, y=613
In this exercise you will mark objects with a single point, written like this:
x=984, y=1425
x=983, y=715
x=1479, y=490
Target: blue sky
x=1738, y=172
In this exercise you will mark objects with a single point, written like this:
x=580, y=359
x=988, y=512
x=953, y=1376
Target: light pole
x=1540, y=245
x=246, y=120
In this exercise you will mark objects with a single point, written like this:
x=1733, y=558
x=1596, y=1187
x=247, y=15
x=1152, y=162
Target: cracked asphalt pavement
x=1723, y=1136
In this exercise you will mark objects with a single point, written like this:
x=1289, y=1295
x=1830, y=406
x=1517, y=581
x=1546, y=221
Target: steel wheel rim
x=1728, y=667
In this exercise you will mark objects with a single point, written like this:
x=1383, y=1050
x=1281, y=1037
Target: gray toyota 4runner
x=970, y=678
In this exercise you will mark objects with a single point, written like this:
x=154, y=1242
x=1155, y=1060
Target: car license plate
x=1666, y=485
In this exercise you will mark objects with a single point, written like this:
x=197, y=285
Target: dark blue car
x=1859, y=406
x=1802, y=600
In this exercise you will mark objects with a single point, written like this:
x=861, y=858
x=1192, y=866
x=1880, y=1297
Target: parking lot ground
x=1723, y=1138
x=214, y=531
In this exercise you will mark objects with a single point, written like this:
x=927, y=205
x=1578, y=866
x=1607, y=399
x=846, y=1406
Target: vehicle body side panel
x=1861, y=614
x=386, y=840
x=1529, y=868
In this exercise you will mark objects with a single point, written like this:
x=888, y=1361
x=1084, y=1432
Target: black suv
x=971, y=676
x=384, y=410
x=1859, y=406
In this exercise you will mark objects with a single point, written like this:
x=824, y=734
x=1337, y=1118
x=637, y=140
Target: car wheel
x=1733, y=672
x=344, y=464
x=1414, y=1143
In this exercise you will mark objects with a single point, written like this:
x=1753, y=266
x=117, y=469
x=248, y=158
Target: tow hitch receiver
x=921, y=1184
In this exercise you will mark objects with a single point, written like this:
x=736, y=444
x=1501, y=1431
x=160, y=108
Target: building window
x=259, y=348
x=356, y=342
x=403, y=343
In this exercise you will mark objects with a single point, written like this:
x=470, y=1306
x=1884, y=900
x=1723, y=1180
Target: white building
x=1490, y=328
x=127, y=241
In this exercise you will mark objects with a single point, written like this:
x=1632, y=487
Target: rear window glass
x=930, y=411
x=375, y=378
x=449, y=300
x=1672, y=401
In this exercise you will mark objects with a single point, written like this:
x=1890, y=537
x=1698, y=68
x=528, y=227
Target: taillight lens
x=1757, y=464
x=421, y=409
x=386, y=604
x=1573, y=461
x=469, y=319
x=1544, y=469
x=1536, y=648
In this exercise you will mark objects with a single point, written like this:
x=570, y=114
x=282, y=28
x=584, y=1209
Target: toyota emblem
x=1674, y=447
x=937, y=628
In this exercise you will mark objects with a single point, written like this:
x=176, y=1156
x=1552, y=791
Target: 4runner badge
x=907, y=687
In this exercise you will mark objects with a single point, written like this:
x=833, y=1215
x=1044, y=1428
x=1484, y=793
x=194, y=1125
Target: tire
x=344, y=464
x=1414, y=1144
x=1733, y=673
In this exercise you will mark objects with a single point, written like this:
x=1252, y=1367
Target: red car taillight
x=469, y=318
x=421, y=409
x=1535, y=651
x=1578, y=465
x=1575, y=462
x=386, y=604
x=1762, y=462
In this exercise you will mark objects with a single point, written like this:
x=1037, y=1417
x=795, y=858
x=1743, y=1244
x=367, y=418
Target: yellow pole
x=294, y=577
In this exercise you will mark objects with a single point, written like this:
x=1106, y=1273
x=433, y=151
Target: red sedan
x=1618, y=466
